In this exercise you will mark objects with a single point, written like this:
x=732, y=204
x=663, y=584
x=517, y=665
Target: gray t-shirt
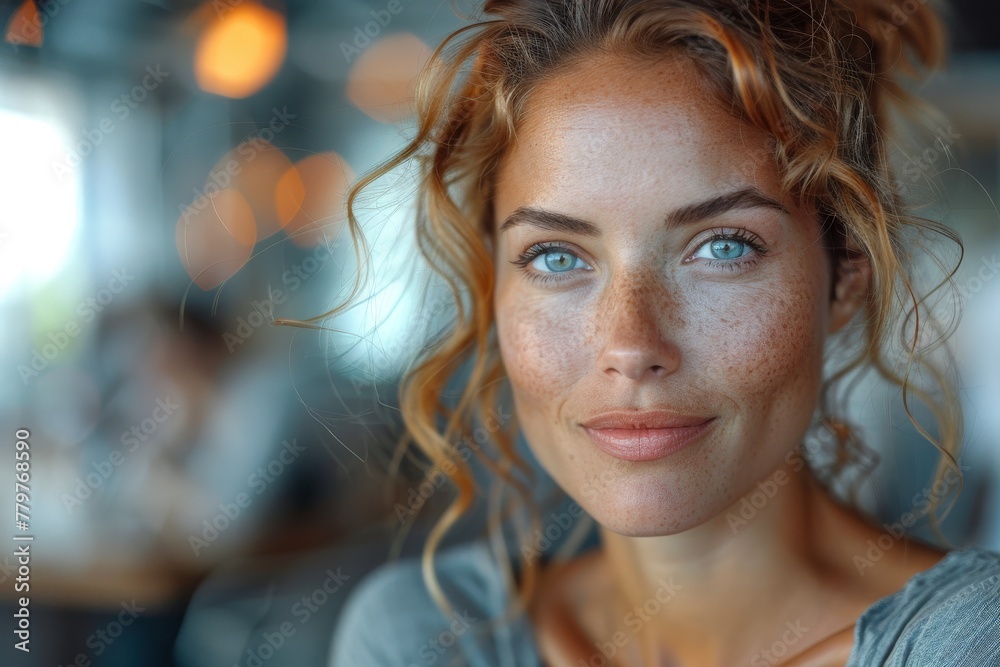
x=946, y=616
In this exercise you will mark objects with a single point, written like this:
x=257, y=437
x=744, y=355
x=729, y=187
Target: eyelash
x=748, y=238
x=742, y=235
x=536, y=250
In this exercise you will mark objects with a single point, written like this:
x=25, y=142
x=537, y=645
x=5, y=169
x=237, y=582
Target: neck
x=741, y=576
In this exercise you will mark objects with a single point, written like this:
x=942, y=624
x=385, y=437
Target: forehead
x=609, y=125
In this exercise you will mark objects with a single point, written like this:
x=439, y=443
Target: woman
x=666, y=216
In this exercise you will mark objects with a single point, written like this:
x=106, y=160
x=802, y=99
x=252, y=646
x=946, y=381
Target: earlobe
x=851, y=290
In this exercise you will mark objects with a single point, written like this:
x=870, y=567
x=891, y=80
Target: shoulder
x=946, y=615
x=391, y=619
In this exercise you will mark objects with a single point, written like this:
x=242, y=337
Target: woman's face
x=633, y=307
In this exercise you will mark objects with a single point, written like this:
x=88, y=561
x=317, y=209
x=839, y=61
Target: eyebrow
x=743, y=198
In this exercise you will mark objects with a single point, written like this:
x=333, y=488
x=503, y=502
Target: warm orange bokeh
x=253, y=168
x=239, y=52
x=215, y=241
x=25, y=25
x=381, y=82
x=311, y=198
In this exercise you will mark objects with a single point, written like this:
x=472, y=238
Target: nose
x=631, y=324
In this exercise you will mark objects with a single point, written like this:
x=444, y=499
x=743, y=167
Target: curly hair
x=818, y=75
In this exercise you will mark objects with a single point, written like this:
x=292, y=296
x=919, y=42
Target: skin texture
x=645, y=316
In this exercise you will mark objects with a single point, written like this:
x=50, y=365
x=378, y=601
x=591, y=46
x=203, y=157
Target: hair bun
x=904, y=37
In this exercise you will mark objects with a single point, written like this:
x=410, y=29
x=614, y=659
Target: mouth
x=645, y=436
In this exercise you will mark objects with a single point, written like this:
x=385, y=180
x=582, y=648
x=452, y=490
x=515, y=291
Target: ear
x=851, y=288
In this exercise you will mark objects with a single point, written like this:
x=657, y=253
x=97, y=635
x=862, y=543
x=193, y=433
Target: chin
x=652, y=504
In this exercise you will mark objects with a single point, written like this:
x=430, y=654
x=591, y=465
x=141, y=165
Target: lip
x=654, y=419
x=645, y=436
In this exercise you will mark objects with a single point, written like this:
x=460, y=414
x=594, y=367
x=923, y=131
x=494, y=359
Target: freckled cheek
x=541, y=345
x=772, y=351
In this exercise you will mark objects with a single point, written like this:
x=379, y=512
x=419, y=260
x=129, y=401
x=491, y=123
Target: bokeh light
x=253, y=168
x=25, y=25
x=39, y=187
x=215, y=237
x=381, y=82
x=239, y=52
x=311, y=198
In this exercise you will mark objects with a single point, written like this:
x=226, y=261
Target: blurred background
x=206, y=488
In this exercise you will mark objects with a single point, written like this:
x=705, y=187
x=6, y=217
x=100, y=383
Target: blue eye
x=726, y=248
x=549, y=259
x=731, y=250
x=558, y=261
